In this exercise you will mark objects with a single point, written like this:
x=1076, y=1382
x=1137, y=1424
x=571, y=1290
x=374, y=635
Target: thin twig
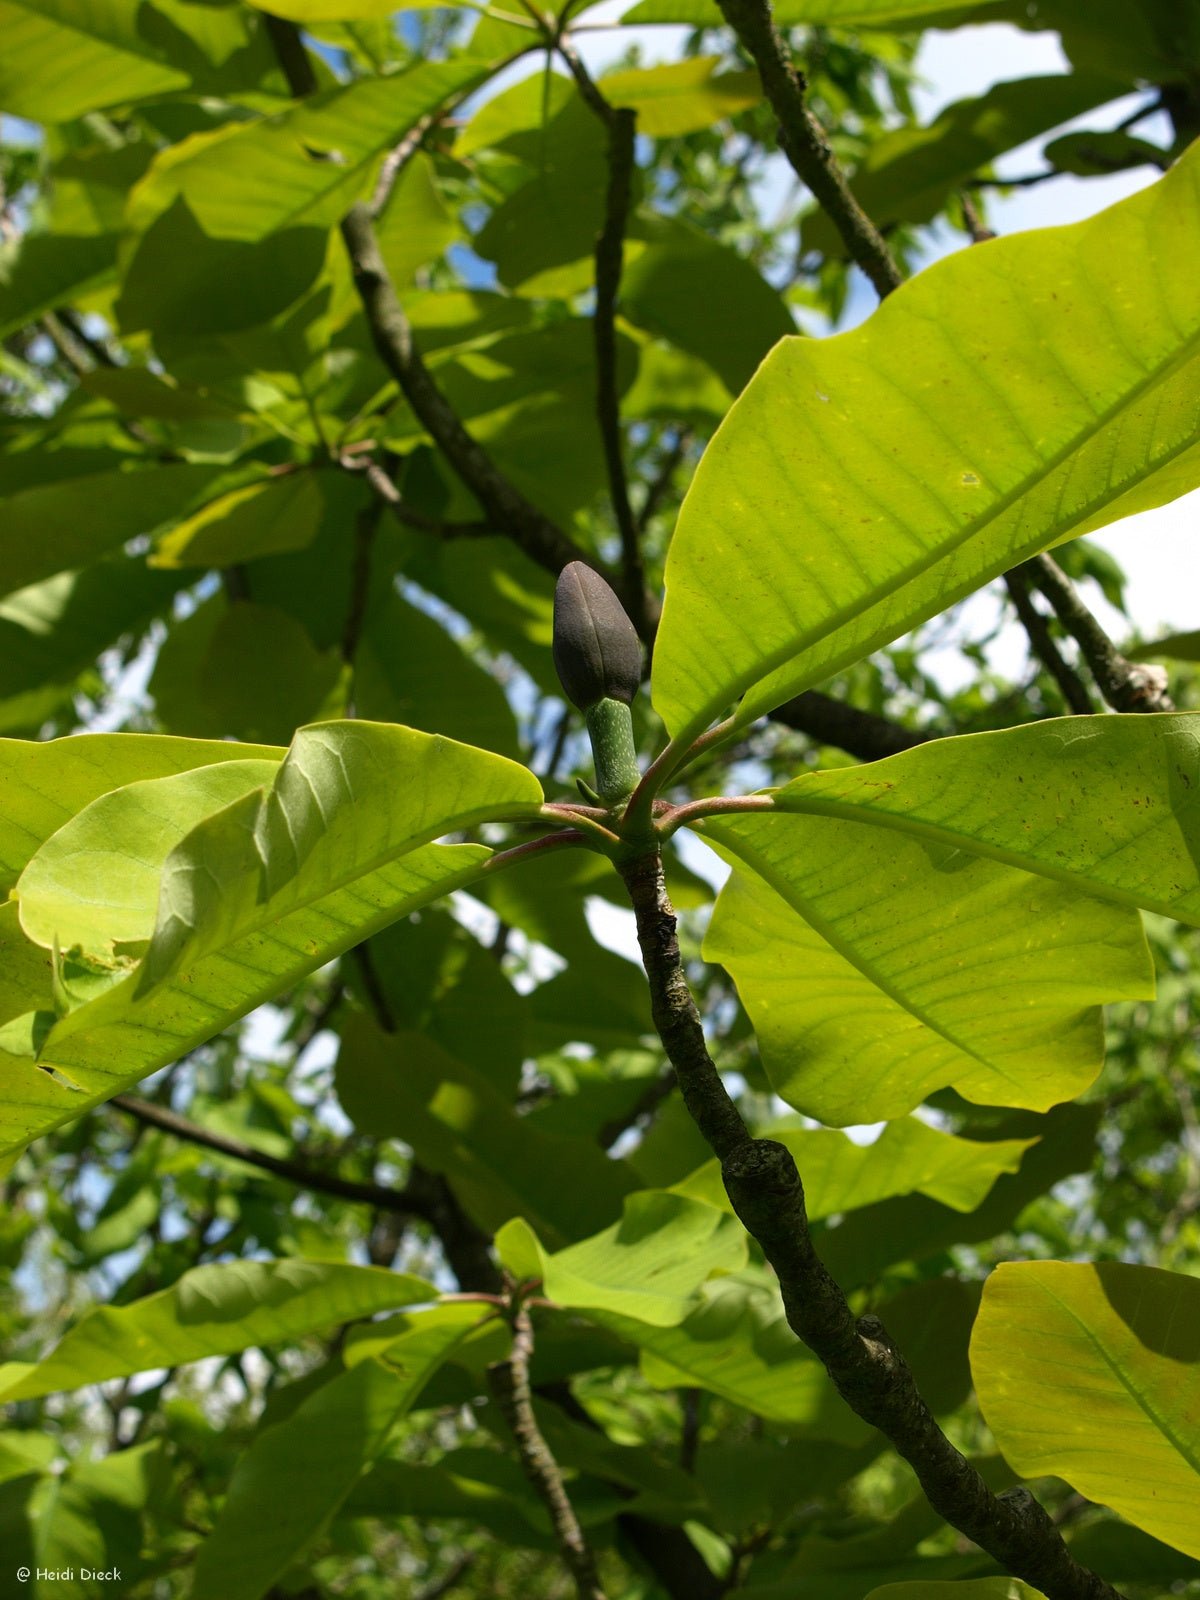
x=505, y=507
x=651, y=1097
x=1029, y=180
x=860, y=733
x=764, y=1187
x=509, y=1383
x=805, y=143
x=586, y=84
x=96, y=348
x=656, y=490
x=397, y=159
x=1041, y=641
x=1126, y=685
x=451, y=1578
x=298, y=1172
x=976, y=227
x=382, y=485
x=503, y=503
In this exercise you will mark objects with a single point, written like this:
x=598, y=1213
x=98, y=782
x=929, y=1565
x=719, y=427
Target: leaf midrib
x=939, y=833
x=802, y=641
x=1143, y=1404
x=774, y=881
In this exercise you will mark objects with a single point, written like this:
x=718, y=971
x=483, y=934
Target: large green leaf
x=66, y=57
x=1110, y=805
x=683, y=96
x=909, y=1157
x=868, y=1241
x=481, y=1488
x=648, y=1266
x=1007, y=399
x=248, y=179
x=348, y=798
x=107, y=1045
x=403, y=1085
x=878, y=968
x=437, y=979
x=1176, y=646
x=89, y=1517
x=213, y=1311
x=260, y=676
x=908, y=175
x=251, y=898
x=228, y=227
x=45, y=785
x=409, y=669
x=304, y=1467
x=1092, y=1374
x=94, y=885
x=53, y=526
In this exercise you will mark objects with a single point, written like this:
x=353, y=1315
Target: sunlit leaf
x=1110, y=805
x=1005, y=400
x=681, y=97
x=923, y=966
x=648, y=1266
x=909, y=1157
x=211, y=1311
x=1092, y=1374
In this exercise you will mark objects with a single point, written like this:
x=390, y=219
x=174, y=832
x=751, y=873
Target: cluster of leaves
x=391, y=1060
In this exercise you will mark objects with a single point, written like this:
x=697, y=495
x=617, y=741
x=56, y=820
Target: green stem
x=610, y=728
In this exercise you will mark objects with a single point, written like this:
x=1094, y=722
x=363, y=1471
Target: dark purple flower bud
x=597, y=653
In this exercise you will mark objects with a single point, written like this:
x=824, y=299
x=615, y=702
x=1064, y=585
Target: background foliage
x=224, y=519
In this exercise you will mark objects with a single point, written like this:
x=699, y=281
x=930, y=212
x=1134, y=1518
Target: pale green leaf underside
x=909, y=1157
x=1010, y=397
x=46, y=784
x=107, y=1045
x=648, y=1266
x=252, y=898
x=1092, y=1374
x=94, y=884
x=212, y=1311
x=305, y=1466
x=922, y=967
x=1108, y=804
x=348, y=798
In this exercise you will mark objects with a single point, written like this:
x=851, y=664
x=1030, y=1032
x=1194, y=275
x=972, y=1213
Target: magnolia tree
x=358, y=422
